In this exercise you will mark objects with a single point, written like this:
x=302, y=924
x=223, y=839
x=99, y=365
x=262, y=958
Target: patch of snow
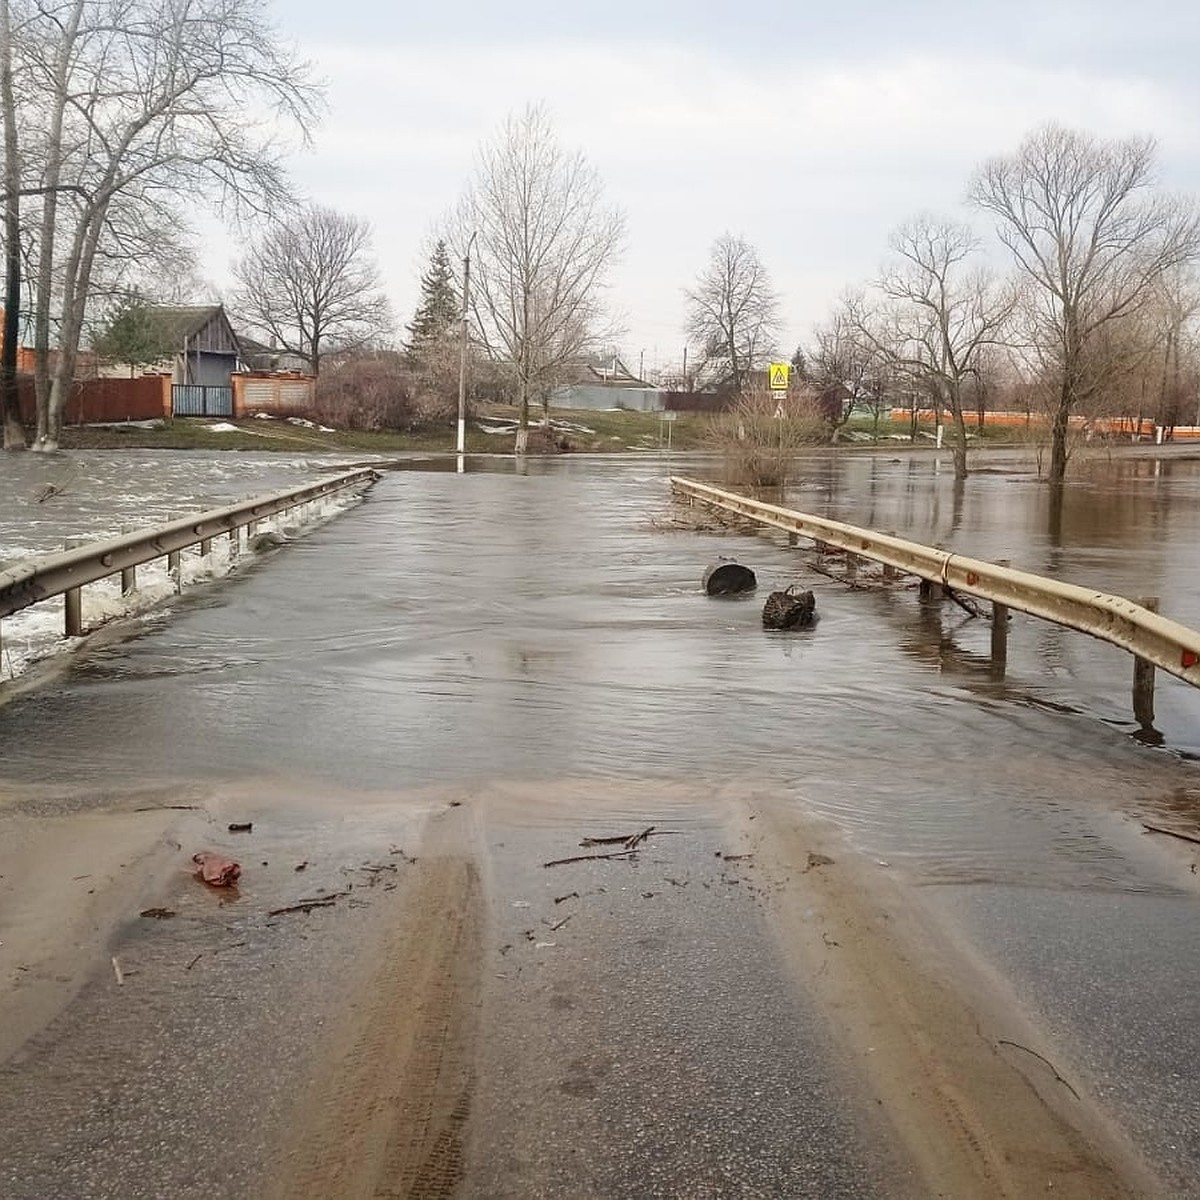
x=262, y=416
x=222, y=427
x=153, y=423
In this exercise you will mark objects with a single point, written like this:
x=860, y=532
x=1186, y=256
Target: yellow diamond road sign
x=779, y=376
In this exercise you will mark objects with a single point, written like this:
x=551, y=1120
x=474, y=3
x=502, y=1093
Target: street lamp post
x=462, y=361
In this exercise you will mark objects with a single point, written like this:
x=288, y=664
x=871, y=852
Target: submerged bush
x=759, y=436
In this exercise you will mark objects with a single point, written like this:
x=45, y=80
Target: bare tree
x=938, y=314
x=10, y=419
x=1092, y=239
x=733, y=311
x=310, y=285
x=128, y=105
x=1172, y=316
x=544, y=241
x=845, y=366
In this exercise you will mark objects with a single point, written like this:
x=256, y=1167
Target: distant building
x=264, y=359
x=200, y=346
x=604, y=382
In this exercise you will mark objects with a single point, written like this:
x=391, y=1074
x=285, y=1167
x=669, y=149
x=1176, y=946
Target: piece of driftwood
x=789, y=609
x=854, y=585
x=575, y=858
x=629, y=840
x=966, y=603
x=1053, y=1068
x=1183, y=837
x=303, y=907
x=309, y=904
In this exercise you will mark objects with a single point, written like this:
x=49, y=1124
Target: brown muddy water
x=506, y=625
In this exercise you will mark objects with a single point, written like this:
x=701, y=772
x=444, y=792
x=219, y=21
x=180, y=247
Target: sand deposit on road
x=383, y=1027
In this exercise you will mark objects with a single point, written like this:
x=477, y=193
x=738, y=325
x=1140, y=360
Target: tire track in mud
x=922, y=1023
x=389, y=1107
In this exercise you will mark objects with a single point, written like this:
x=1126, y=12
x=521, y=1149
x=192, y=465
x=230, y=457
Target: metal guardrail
x=1167, y=644
x=37, y=579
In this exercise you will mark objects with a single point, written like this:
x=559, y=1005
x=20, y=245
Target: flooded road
x=456, y=634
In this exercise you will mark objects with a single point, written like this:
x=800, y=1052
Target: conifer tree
x=438, y=311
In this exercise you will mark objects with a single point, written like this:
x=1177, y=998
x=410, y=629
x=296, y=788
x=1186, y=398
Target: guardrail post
x=235, y=543
x=929, y=591
x=128, y=580
x=889, y=572
x=73, y=598
x=175, y=568
x=999, y=632
x=1143, y=678
x=73, y=607
x=793, y=537
x=851, y=567
x=205, y=547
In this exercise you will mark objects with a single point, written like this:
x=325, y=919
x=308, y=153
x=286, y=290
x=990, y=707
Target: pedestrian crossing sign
x=779, y=376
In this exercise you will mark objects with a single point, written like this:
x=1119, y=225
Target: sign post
x=778, y=374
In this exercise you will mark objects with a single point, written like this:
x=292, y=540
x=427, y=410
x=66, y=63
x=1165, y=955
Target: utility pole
x=462, y=361
x=641, y=365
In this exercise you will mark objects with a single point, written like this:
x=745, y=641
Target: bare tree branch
x=310, y=286
x=545, y=240
x=124, y=104
x=1091, y=238
x=733, y=312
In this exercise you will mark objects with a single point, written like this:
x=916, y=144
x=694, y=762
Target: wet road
x=457, y=630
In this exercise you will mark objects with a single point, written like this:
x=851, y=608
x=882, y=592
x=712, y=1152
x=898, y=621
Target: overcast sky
x=809, y=129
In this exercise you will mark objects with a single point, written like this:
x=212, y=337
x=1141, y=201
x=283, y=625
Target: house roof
x=602, y=371
x=250, y=346
x=177, y=322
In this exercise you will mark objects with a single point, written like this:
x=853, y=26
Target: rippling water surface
x=500, y=625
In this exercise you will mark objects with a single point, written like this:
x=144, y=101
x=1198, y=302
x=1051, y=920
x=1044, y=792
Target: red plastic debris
x=216, y=869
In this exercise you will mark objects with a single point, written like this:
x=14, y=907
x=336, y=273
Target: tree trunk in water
x=47, y=442
x=522, y=443
x=960, y=443
x=77, y=272
x=1058, y=437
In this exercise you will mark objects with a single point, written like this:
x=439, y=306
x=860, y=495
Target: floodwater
x=540, y=625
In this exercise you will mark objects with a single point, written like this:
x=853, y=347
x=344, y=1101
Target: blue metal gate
x=201, y=400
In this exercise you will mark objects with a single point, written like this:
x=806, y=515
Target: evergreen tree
x=135, y=334
x=439, y=307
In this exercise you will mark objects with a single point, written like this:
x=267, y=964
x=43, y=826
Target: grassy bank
x=612, y=431
x=583, y=432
